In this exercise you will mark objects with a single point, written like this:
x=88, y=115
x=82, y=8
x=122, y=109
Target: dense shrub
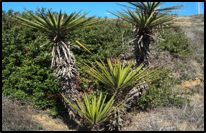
x=176, y=42
x=103, y=40
x=26, y=69
x=26, y=72
x=160, y=93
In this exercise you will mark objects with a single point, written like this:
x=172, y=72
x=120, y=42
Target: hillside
x=19, y=115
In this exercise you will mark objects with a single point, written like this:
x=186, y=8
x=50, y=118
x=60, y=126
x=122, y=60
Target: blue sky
x=95, y=8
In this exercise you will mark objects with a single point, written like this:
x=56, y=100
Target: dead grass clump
x=186, y=118
x=15, y=118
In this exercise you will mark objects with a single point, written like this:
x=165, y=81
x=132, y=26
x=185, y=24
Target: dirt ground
x=20, y=116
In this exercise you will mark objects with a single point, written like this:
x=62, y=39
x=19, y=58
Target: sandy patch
x=48, y=123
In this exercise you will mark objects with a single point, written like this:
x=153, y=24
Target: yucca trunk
x=142, y=50
x=65, y=70
x=120, y=122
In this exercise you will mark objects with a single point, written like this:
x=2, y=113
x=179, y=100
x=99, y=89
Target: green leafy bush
x=160, y=92
x=26, y=69
x=176, y=42
x=26, y=72
x=103, y=41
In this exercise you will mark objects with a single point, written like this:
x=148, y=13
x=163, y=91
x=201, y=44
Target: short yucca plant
x=118, y=77
x=95, y=110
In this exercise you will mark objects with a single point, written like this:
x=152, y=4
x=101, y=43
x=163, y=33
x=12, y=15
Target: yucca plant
x=95, y=110
x=119, y=78
x=122, y=80
x=146, y=19
x=58, y=28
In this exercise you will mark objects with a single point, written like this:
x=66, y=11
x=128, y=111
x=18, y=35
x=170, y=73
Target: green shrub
x=26, y=72
x=103, y=41
x=160, y=93
x=176, y=42
x=26, y=69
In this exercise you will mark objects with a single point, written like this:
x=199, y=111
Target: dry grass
x=186, y=118
x=20, y=116
x=15, y=118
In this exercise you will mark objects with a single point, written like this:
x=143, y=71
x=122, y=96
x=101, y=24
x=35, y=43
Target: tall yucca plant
x=95, y=110
x=146, y=19
x=57, y=28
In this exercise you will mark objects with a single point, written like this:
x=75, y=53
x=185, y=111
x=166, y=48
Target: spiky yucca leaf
x=145, y=22
x=94, y=110
x=118, y=77
x=151, y=6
